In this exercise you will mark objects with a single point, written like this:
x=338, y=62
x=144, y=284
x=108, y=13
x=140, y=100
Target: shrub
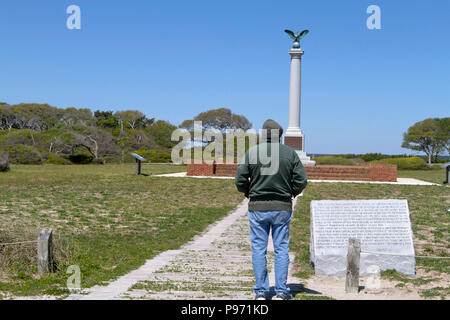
x=371, y=156
x=98, y=161
x=81, y=158
x=16, y=137
x=435, y=159
x=23, y=154
x=155, y=155
x=435, y=167
x=334, y=160
x=412, y=163
x=111, y=159
x=128, y=158
x=57, y=159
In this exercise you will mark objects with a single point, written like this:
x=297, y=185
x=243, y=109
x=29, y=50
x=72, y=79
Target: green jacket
x=273, y=190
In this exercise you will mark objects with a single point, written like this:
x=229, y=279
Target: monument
x=294, y=136
x=382, y=226
x=295, y=139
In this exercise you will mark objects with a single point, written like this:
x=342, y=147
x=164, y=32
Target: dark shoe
x=260, y=296
x=283, y=296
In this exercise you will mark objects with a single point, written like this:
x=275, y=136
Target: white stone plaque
x=383, y=226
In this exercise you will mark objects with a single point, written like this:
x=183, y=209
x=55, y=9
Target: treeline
x=367, y=157
x=403, y=162
x=37, y=133
x=431, y=136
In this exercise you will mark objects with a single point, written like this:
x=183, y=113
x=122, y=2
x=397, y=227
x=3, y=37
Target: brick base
x=201, y=169
x=366, y=172
x=295, y=143
x=226, y=169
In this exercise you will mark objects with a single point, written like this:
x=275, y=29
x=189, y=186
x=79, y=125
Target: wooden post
x=45, y=252
x=353, y=256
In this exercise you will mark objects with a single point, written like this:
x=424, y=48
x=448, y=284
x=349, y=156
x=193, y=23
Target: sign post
x=447, y=167
x=139, y=160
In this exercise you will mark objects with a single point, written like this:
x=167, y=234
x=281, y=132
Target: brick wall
x=382, y=172
x=367, y=172
x=226, y=169
x=336, y=172
x=201, y=169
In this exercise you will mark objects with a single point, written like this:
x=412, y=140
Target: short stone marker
x=45, y=252
x=382, y=226
x=353, y=259
x=4, y=162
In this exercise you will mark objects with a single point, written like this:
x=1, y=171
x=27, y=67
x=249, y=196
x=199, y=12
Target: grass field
x=109, y=221
x=435, y=176
x=429, y=218
x=105, y=219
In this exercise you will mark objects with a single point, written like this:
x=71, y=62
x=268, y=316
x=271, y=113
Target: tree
x=133, y=118
x=7, y=117
x=49, y=130
x=443, y=134
x=217, y=123
x=134, y=139
x=99, y=142
x=221, y=119
x=72, y=116
x=425, y=136
x=35, y=116
x=105, y=119
x=161, y=131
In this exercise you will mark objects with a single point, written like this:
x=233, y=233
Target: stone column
x=294, y=136
x=295, y=91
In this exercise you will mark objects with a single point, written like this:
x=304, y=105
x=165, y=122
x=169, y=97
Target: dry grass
x=105, y=219
x=427, y=204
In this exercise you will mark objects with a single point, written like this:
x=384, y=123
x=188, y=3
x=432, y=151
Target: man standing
x=270, y=186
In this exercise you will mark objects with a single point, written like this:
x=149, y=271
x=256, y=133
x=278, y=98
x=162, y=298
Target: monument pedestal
x=294, y=137
x=306, y=161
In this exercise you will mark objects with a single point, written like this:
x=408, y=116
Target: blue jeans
x=260, y=223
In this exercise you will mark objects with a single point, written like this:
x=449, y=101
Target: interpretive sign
x=382, y=226
x=139, y=160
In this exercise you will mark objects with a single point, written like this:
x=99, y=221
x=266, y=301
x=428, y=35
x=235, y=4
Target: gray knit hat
x=270, y=125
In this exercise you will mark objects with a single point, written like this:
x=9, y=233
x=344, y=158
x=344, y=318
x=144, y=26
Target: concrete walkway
x=400, y=181
x=214, y=265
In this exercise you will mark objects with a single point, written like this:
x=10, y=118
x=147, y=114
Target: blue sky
x=361, y=88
